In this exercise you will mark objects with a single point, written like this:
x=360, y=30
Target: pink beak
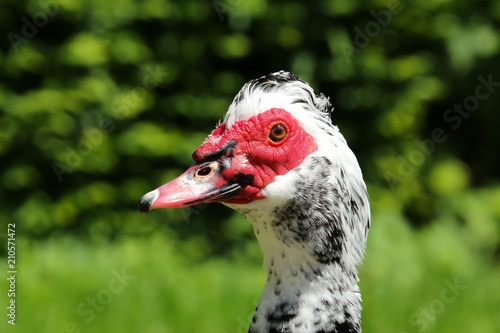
x=201, y=183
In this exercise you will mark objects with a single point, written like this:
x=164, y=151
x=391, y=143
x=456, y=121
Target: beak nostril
x=205, y=171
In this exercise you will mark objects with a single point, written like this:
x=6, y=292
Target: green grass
x=406, y=278
x=163, y=292
x=404, y=273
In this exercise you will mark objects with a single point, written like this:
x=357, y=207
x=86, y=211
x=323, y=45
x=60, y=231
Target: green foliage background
x=103, y=101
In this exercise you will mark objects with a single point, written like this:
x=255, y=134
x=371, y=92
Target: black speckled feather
x=313, y=223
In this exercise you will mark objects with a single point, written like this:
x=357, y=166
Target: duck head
x=277, y=158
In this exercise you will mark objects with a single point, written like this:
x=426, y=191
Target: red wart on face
x=234, y=164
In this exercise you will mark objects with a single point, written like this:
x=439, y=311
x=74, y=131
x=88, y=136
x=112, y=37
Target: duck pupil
x=278, y=132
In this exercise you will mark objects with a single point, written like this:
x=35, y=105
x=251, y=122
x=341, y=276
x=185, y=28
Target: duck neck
x=312, y=229
x=304, y=295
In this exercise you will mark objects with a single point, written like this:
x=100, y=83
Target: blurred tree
x=104, y=101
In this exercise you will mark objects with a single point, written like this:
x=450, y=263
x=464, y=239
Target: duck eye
x=278, y=133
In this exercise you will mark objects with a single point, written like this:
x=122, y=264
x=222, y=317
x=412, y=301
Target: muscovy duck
x=277, y=158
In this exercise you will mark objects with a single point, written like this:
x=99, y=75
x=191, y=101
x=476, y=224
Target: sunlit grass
x=65, y=285
x=403, y=281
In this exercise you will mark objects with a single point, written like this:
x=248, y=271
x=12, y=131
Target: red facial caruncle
x=234, y=164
